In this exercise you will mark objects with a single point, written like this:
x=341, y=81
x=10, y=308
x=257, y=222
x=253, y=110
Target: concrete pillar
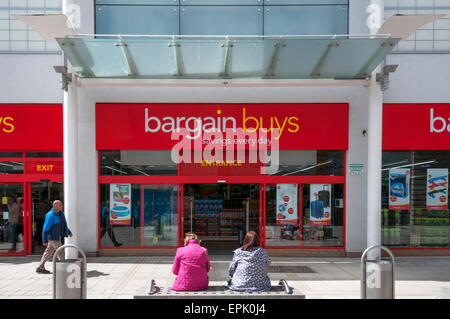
x=374, y=130
x=70, y=127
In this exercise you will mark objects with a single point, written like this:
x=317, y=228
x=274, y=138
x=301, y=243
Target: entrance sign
x=120, y=199
x=320, y=207
x=399, y=181
x=287, y=204
x=437, y=188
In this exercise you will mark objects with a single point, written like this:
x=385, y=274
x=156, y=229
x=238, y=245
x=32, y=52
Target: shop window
x=140, y=163
x=121, y=226
x=282, y=226
x=415, y=199
x=45, y=155
x=323, y=215
x=290, y=223
x=161, y=215
x=11, y=167
x=10, y=154
x=311, y=162
x=11, y=218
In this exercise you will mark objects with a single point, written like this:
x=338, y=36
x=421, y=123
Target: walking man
x=53, y=233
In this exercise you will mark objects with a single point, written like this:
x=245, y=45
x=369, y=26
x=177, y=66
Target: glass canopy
x=183, y=57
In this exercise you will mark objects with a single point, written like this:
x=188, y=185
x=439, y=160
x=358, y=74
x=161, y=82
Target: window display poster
x=437, y=188
x=399, y=181
x=320, y=204
x=120, y=199
x=287, y=204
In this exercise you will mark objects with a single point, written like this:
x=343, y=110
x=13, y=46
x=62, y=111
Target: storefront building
x=221, y=200
x=133, y=198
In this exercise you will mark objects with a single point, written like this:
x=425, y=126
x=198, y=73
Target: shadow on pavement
x=95, y=273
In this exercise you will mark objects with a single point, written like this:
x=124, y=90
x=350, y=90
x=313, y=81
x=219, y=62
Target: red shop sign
x=44, y=167
x=149, y=126
x=220, y=168
x=31, y=127
x=416, y=127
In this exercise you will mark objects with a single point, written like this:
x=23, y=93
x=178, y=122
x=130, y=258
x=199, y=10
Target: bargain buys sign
x=291, y=126
x=31, y=127
x=416, y=127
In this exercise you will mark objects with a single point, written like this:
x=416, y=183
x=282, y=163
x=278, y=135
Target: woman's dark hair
x=251, y=240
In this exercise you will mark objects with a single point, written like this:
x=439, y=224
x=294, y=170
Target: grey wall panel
x=30, y=78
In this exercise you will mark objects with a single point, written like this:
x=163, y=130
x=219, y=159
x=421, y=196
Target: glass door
x=221, y=214
x=12, y=221
x=42, y=196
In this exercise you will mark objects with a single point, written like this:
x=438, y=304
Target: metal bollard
x=381, y=283
x=69, y=276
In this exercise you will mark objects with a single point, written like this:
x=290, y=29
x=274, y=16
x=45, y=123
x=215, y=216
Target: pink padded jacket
x=191, y=265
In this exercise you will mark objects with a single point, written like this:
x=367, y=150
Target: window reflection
x=161, y=215
x=310, y=162
x=122, y=223
x=11, y=167
x=11, y=218
x=127, y=233
x=418, y=226
x=141, y=163
x=322, y=228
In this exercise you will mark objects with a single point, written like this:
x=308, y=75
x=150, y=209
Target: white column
x=70, y=127
x=374, y=133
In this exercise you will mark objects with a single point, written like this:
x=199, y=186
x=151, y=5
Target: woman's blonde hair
x=190, y=236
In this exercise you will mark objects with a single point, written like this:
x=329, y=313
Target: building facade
x=124, y=145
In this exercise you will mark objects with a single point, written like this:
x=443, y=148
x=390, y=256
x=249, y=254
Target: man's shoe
x=40, y=270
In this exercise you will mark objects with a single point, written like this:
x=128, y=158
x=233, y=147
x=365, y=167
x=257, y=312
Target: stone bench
x=282, y=291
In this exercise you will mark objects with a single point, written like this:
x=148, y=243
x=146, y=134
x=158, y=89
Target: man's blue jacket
x=52, y=229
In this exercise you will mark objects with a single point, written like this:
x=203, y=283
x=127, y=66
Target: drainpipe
x=70, y=124
x=374, y=133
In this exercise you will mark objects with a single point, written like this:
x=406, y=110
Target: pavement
x=332, y=278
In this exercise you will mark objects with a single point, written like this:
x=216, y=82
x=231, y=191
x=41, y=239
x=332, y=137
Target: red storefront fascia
x=31, y=128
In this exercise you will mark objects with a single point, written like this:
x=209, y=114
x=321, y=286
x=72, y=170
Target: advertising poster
x=287, y=204
x=120, y=199
x=320, y=204
x=399, y=179
x=437, y=188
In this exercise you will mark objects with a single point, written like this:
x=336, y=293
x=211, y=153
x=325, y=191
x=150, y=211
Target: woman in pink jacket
x=191, y=265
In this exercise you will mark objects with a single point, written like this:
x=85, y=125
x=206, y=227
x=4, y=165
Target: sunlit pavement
x=122, y=277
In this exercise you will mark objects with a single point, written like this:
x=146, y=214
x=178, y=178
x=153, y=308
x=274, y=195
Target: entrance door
x=12, y=221
x=42, y=196
x=221, y=214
